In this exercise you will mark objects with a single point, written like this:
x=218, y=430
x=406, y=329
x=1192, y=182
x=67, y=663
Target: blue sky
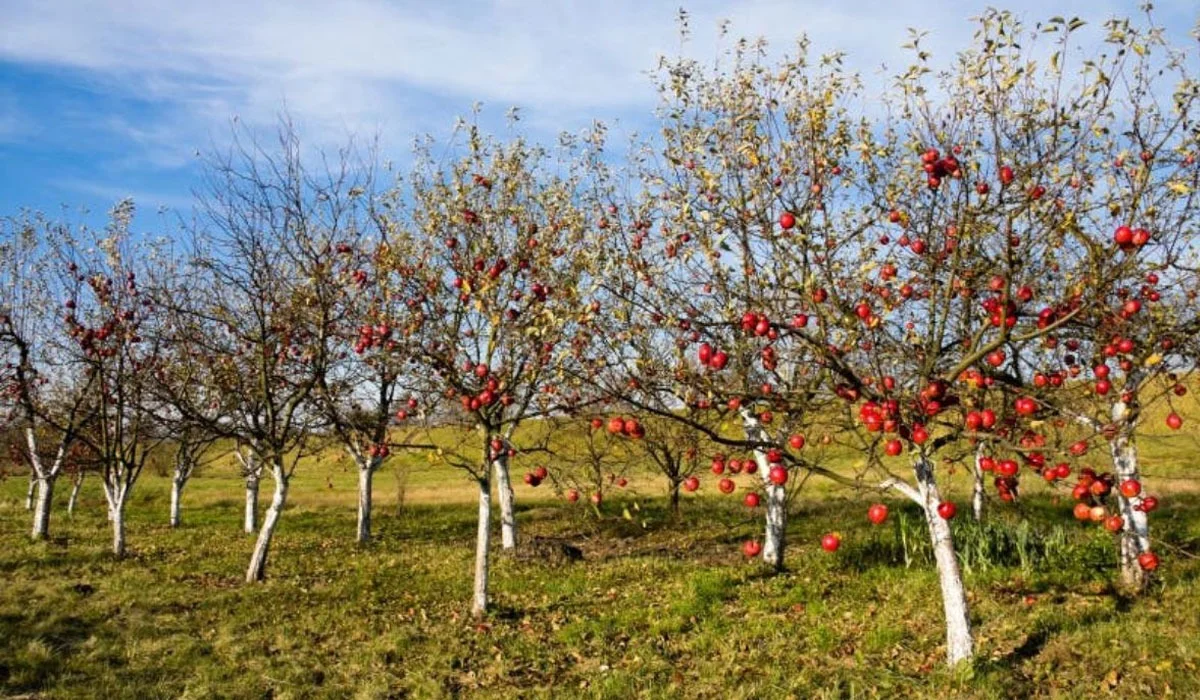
x=105, y=99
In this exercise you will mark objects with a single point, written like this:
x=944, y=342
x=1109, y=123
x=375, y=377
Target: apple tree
x=116, y=344
x=368, y=395
x=502, y=259
x=44, y=395
x=1120, y=178
x=870, y=272
x=254, y=302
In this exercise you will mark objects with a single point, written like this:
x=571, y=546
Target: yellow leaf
x=1153, y=360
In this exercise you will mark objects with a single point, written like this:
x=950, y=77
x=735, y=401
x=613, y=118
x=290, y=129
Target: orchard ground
x=656, y=607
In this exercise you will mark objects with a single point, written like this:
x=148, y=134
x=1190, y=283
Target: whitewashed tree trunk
x=116, y=493
x=1135, y=533
x=76, y=484
x=257, y=571
x=177, y=484
x=776, y=525
x=30, y=491
x=508, y=515
x=45, y=478
x=978, y=493
x=118, y=525
x=959, y=642
x=250, y=517
x=776, y=511
x=366, y=471
x=479, y=601
x=186, y=460
x=41, y=512
x=252, y=469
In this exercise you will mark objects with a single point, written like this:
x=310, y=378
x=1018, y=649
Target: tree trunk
x=76, y=484
x=118, y=525
x=257, y=571
x=30, y=490
x=176, y=493
x=250, y=520
x=773, y=539
x=959, y=643
x=776, y=518
x=365, y=474
x=978, y=495
x=479, y=602
x=508, y=515
x=675, y=498
x=1135, y=533
x=41, y=513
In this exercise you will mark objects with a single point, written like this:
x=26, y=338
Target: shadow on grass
x=1008, y=665
x=33, y=652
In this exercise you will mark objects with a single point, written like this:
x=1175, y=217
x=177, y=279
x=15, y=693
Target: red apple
x=947, y=510
x=877, y=513
x=831, y=542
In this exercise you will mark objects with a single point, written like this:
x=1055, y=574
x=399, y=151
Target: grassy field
x=657, y=608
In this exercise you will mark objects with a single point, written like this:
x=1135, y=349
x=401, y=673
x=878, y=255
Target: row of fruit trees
x=991, y=265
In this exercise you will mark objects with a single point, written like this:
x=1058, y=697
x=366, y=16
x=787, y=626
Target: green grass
x=657, y=608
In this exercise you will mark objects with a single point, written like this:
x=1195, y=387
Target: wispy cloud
x=147, y=200
x=14, y=123
x=171, y=75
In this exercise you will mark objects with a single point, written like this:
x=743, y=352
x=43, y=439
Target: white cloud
x=147, y=200
x=407, y=67
x=14, y=122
